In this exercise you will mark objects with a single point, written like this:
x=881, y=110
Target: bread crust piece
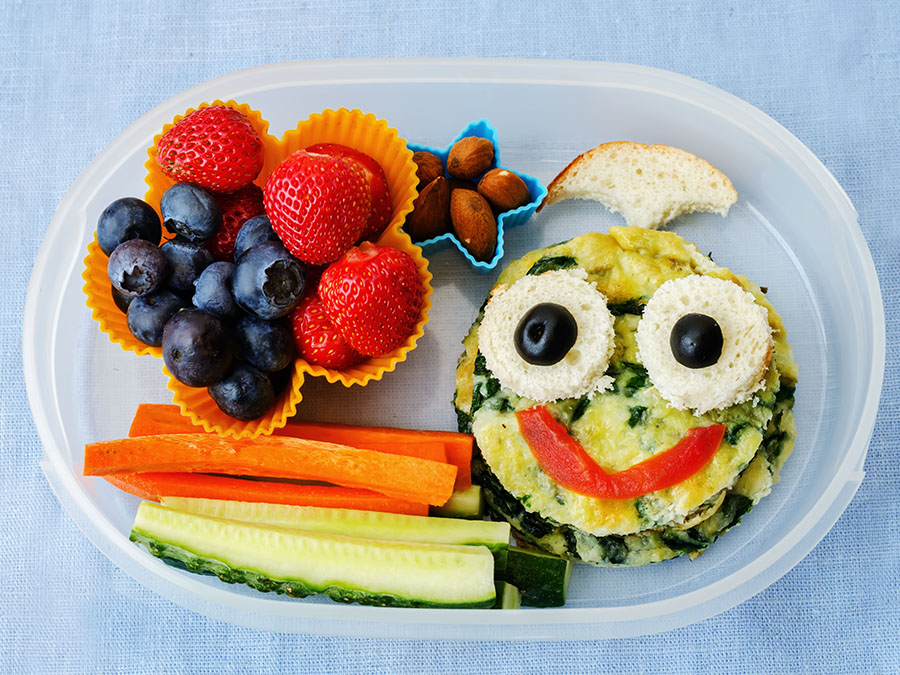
x=648, y=184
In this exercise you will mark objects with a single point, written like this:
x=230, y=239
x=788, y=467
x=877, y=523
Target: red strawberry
x=317, y=340
x=215, y=147
x=381, y=212
x=318, y=205
x=237, y=208
x=373, y=295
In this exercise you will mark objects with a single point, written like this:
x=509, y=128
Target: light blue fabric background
x=73, y=75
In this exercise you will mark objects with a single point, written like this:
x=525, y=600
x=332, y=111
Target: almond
x=428, y=167
x=474, y=223
x=470, y=157
x=430, y=216
x=460, y=184
x=503, y=189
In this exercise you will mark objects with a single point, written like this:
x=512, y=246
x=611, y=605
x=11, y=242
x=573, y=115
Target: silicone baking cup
x=352, y=128
x=484, y=129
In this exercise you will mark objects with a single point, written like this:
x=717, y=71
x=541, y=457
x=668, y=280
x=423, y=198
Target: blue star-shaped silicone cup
x=519, y=216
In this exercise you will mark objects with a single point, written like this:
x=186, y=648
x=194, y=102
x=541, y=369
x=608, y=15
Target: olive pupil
x=545, y=334
x=696, y=341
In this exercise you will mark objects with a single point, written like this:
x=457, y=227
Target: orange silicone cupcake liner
x=374, y=137
x=348, y=127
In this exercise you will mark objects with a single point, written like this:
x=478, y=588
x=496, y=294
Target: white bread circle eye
x=746, y=343
x=582, y=368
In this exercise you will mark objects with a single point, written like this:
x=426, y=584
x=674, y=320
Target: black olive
x=546, y=334
x=696, y=341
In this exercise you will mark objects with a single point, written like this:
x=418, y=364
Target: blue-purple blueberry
x=267, y=345
x=244, y=393
x=126, y=219
x=187, y=260
x=190, y=211
x=197, y=347
x=255, y=231
x=147, y=316
x=212, y=291
x=268, y=281
x=122, y=301
x=136, y=267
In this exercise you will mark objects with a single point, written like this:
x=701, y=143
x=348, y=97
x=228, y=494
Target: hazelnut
x=428, y=167
x=503, y=189
x=430, y=216
x=474, y=223
x=470, y=157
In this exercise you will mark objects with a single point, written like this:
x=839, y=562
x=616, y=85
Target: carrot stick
x=152, y=486
x=151, y=419
x=409, y=478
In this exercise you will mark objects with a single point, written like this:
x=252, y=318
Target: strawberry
x=317, y=340
x=215, y=147
x=381, y=212
x=237, y=208
x=373, y=295
x=318, y=205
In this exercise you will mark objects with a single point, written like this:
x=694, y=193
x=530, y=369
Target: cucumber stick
x=462, y=504
x=298, y=563
x=355, y=523
x=542, y=578
x=508, y=596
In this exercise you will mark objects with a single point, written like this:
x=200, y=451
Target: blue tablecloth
x=73, y=75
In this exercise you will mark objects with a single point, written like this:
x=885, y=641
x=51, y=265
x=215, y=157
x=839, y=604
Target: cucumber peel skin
x=355, y=523
x=298, y=564
x=542, y=578
x=467, y=503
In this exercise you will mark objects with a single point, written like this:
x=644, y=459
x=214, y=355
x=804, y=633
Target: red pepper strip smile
x=566, y=462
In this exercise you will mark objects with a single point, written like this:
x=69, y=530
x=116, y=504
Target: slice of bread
x=747, y=347
x=648, y=184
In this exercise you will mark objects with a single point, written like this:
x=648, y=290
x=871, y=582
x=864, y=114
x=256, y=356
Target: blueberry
x=125, y=219
x=213, y=291
x=197, y=347
x=136, y=267
x=280, y=379
x=186, y=261
x=190, y=211
x=255, y=231
x=147, y=315
x=268, y=281
x=244, y=393
x=122, y=301
x=267, y=345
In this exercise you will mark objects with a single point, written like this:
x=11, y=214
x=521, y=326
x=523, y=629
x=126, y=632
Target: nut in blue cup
x=519, y=216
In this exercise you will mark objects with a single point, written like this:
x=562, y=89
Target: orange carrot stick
x=152, y=486
x=409, y=478
x=151, y=419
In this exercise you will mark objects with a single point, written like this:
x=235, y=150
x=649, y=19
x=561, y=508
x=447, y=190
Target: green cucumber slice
x=542, y=578
x=348, y=569
x=356, y=523
x=467, y=503
x=508, y=596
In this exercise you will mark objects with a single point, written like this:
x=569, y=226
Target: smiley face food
x=630, y=399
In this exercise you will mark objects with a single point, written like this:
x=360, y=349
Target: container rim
x=334, y=619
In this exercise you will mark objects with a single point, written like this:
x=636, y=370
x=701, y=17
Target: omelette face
x=627, y=422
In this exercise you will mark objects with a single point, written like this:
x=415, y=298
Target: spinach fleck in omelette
x=628, y=422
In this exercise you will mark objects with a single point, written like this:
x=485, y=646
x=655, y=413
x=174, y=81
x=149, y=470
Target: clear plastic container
x=792, y=230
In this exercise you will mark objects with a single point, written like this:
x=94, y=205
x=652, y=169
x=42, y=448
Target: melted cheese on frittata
x=630, y=423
